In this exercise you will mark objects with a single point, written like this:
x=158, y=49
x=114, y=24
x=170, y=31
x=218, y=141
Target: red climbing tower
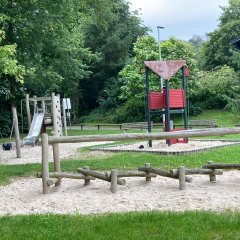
x=167, y=101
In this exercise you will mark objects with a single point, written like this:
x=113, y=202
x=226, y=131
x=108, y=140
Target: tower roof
x=165, y=69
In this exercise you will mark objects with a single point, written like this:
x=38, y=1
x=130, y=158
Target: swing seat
x=7, y=146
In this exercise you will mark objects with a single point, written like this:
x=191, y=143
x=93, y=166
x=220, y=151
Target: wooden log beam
x=192, y=171
x=162, y=173
x=99, y=176
x=131, y=174
x=67, y=175
x=146, y=136
x=222, y=166
x=52, y=181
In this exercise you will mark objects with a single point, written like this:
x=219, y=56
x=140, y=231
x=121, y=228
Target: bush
x=130, y=112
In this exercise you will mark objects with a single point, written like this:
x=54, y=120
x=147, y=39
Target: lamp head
x=160, y=27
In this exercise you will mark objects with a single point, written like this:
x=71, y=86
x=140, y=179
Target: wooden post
x=86, y=181
x=55, y=146
x=147, y=165
x=212, y=176
x=114, y=177
x=28, y=111
x=64, y=118
x=181, y=177
x=43, y=106
x=16, y=130
x=35, y=103
x=45, y=167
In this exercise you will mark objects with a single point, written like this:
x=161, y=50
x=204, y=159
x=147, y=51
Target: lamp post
x=159, y=52
x=160, y=59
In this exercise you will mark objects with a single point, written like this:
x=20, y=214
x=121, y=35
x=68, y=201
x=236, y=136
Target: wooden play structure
x=167, y=101
x=46, y=112
x=115, y=176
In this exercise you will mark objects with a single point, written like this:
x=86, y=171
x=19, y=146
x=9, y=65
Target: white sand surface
x=24, y=195
x=30, y=154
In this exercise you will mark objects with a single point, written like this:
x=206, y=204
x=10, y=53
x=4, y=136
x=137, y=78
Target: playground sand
x=24, y=195
x=32, y=154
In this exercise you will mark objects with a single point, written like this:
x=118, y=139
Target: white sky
x=181, y=18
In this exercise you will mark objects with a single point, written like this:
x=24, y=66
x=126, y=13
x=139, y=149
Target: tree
x=217, y=88
x=110, y=29
x=217, y=50
x=50, y=44
x=11, y=80
x=146, y=49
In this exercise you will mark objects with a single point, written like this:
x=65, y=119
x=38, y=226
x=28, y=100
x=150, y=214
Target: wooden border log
x=114, y=178
x=222, y=166
x=162, y=173
x=192, y=171
x=67, y=175
x=99, y=175
x=182, y=177
x=146, y=136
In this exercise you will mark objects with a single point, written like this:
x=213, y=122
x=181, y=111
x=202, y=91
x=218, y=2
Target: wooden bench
x=202, y=123
x=135, y=125
x=108, y=125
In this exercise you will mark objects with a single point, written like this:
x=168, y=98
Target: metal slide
x=35, y=129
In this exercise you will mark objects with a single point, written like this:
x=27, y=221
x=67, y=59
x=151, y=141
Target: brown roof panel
x=165, y=69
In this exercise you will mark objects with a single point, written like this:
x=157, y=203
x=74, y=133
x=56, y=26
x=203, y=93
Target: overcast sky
x=181, y=19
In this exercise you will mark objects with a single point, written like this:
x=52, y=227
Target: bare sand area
x=24, y=195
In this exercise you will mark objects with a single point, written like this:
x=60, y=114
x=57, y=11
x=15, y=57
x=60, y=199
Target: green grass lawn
x=148, y=225
x=136, y=225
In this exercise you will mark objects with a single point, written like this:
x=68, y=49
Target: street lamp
x=159, y=51
x=160, y=59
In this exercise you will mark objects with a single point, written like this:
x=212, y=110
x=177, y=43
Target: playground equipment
x=51, y=178
x=167, y=101
x=47, y=112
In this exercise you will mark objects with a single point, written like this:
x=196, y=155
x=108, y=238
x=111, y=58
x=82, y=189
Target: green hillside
x=223, y=118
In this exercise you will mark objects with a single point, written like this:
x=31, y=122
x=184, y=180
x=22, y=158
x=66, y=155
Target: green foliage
x=218, y=50
x=217, y=88
x=9, y=65
x=132, y=111
x=110, y=29
x=146, y=48
x=50, y=44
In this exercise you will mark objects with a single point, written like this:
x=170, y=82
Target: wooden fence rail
x=146, y=136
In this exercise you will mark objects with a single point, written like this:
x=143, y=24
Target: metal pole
x=147, y=103
x=160, y=59
x=167, y=111
x=159, y=52
x=185, y=98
